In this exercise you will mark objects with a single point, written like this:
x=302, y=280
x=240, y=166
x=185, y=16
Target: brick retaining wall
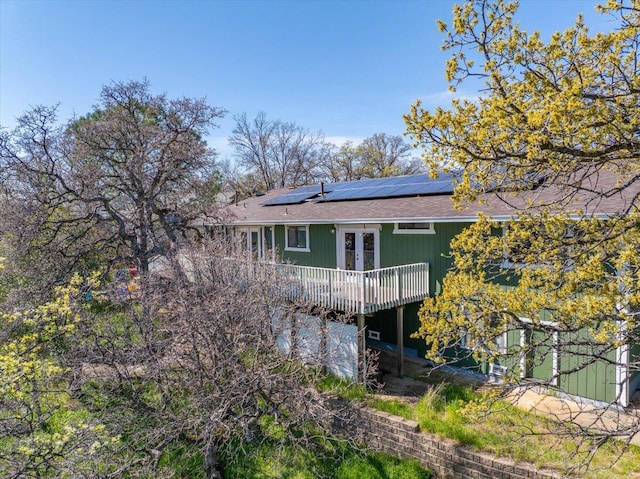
x=445, y=458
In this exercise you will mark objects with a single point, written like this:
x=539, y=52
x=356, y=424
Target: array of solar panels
x=392, y=187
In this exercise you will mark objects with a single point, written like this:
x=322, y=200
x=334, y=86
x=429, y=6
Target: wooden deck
x=360, y=292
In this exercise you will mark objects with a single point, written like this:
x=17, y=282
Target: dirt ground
x=419, y=375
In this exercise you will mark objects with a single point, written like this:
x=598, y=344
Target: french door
x=358, y=248
x=258, y=241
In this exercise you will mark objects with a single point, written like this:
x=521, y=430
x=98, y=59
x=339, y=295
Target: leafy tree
x=123, y=183
x=44, y=431
x=378, y=156
x=386, y=155
x=555, y=133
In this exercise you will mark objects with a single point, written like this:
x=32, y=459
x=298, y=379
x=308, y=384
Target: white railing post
x=360, y=291
x=363, y=299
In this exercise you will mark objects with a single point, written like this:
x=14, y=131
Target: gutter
x=350, y=221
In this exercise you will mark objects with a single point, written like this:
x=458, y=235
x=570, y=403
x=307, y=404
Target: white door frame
x=358, y=229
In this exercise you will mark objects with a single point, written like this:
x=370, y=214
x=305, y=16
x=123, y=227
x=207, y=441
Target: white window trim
x=262, y=242
x=464, y=342
x=286, y=239
x=248, y=231
x=424, y=231
x=622, y=371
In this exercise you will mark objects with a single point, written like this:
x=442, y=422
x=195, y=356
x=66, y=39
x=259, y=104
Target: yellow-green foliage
x=545, y=107
x=565, y=110
x=47, y=434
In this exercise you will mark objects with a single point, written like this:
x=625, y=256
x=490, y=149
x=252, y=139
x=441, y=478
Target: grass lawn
x=270, y=463
x=479, y=420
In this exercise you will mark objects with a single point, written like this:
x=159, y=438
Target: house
x=376, y=248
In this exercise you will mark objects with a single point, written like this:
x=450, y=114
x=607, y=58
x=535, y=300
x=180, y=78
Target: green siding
x=385, y=323
x=322, y=244
x=634, y=358
x=398, y=249
x=512, y=359
x=463, y=358
x=395, y=249
x=411, y=325
x=593, y=381
x=539, y=361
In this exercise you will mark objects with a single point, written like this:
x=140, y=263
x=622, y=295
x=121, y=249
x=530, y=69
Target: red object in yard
x=133, y=272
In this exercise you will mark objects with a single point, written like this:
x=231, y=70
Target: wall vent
x=374, y=335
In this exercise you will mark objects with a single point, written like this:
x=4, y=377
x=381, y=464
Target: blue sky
x=347, y=68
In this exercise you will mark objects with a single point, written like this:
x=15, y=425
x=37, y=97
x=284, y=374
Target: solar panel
x=294, y=196
x=390, y=187
x=400, y=186
x=396, y=180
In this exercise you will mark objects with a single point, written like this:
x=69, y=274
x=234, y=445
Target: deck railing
x=360, y=291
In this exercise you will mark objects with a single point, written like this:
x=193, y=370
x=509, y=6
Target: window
x=539, y=350
x=243, y=241
x=375, y=335
x=495, y=346
x=413, y=228
x=297, y=238
x=487, y=337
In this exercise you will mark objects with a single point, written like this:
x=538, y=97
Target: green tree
x=44, y=431
x=378, y=156
x=123, y=183
x=554, y=133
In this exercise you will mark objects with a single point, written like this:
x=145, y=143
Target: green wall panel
x=395, y=249
x=411, y=325
x=512, y=359
x=595, y=380
x=398, y=249
x=385, y=323
x=539, y=362
x=322, y=244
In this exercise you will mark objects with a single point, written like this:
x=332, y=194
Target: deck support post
x=324, y=349
x=400, y=338
x=362, y=364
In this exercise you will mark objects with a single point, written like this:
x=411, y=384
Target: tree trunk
x=212, y=466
